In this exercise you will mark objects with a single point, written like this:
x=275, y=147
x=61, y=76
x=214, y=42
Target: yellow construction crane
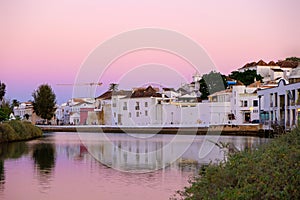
x=78, y=84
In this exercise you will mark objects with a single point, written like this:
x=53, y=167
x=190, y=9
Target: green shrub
x=7, y=133
x=17, y=130
x=270, y=172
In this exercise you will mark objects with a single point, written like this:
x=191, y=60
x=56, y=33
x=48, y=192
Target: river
x=108, y=166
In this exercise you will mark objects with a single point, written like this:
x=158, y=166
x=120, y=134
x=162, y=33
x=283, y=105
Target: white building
x=219, y=107
x=25, y=112
x=146, y=106
x=245, y=104
x=269, y=71
x=74, y=106
x=281, y=104
x=238, y=105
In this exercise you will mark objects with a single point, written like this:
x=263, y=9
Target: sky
x=49, y=41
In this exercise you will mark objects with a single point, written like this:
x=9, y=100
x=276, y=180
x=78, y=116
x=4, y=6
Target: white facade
x=75, y=118
x=71, y=110
x=281, y=104
x=268, y=72
x=245, y=104
x=25, y=108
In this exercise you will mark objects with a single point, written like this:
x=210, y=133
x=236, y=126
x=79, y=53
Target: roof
x=79, y=100
x=108, y=94
x=287, y=64
x=145, y=92
x=237, y=82
x=281, y=63
x=168, y=89
x=256, y=84
x=105, y=95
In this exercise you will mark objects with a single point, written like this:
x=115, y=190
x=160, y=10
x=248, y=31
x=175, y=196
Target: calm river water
x=60, y=166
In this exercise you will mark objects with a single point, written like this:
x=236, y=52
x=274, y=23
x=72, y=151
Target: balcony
x=124, y=107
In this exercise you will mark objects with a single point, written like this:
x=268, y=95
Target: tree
x=5, y=110
x=2, y=90
x=14, y=103
x=295, y=59
x=44, y=101
x=113, y=87
x=211, y=83
x=247, y=77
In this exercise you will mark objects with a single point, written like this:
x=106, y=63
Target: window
x=137, y=105
x=146, y=104
x=244, y=103
x=275, y=99
x=115, y=115
x=125, y=106
x=255, y=103
x=137, y=114
x=129, y=114
x=146, y=112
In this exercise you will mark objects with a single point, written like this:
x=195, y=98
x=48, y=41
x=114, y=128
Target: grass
x=272, y=171
x=16, y=130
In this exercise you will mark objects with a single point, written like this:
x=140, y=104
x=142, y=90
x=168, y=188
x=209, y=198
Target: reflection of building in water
x=134, y=154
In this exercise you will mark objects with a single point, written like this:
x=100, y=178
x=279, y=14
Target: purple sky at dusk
x=47, y=41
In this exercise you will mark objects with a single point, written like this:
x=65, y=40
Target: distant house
x=25, y=112
x=269, y=71
x=245, y=104
x=76, y=106
x=135, y=108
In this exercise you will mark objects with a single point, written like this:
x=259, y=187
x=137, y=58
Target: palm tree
x=113, y=87
x=2, y=93
x=2, y=90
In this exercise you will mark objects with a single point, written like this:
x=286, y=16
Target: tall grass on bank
x=272, y=171
x=16, y=130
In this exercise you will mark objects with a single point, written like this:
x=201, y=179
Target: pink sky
x=47, y=41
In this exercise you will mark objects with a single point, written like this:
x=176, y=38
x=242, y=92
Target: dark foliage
x=44, y=102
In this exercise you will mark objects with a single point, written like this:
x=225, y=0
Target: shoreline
x=244, y=130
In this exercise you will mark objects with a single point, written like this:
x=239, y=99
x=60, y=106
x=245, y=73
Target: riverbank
x=245, y=130
x=16, y=130
x=272, y=171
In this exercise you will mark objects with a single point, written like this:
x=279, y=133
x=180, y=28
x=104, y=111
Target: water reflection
x=134, y=154
x=59, y=166
x=2, y=175
x=44, y=157
x=13, y=150
x=10, y=151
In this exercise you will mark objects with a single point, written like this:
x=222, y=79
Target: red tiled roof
x=105, y=95
x=145, y=92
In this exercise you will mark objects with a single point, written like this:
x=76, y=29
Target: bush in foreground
x=17, y=130
x=270, y=172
